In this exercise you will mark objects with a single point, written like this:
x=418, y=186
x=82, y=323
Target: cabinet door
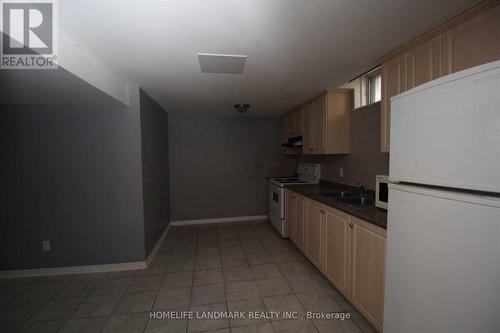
x=293, y=123
x=314, y=217
x=291, y=215
x=393, y=83
x=300, y=121
x=338, y=106
x=296, y=122
x=284, y=128
x=320, y=125
x=473, y=42
x=424, y=62
x=309, y=129
x=300, y=224
x=368, y=246
x=336, y=248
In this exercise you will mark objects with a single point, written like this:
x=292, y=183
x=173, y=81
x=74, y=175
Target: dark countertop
x=368, y=213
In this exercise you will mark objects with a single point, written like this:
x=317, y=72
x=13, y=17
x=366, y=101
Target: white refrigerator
x=443, y=235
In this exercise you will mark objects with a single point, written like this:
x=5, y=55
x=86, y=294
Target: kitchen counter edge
x=369, y=213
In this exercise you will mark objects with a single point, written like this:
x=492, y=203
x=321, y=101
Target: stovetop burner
x=288, y=180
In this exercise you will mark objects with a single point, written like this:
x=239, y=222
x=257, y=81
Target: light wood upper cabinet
x=284, y=128
x=339, y=103
x=336, y=248
x=472, y=42
x=424, y=62
x=291, y=125
x=470, y=39
x=327, y=121
x=320, y=125
x=314, y=220
x=393, y=83
x=368, y=251
x=298, y=129
x=295, y=123
x=323, y=123
x=309, y=136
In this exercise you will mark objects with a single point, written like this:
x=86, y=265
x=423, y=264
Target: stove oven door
x=276, y=204
x=278, y=224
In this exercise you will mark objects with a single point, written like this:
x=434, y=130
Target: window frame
x=370, y=79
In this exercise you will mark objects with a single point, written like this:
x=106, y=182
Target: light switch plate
x=45, y=246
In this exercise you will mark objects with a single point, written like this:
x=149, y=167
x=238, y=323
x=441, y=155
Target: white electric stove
x=308, y=173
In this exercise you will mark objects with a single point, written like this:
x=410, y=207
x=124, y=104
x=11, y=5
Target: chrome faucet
x=362, y=188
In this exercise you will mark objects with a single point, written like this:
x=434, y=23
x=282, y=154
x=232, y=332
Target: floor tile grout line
x=61, y=299
x=269, y=244
x=192, y=280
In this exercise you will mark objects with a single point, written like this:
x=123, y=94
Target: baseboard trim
x=157, y=246
x=221, y=220
x=125, y=266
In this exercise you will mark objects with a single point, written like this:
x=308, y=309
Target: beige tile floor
x=240, y=266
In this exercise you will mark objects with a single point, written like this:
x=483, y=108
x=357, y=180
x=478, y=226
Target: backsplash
x=365, y=160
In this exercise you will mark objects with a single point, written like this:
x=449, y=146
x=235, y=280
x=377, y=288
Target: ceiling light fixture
x=241, y=108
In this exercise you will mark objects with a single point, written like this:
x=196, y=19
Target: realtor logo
x=28, y=34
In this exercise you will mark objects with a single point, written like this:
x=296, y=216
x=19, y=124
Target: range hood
x=294, y=142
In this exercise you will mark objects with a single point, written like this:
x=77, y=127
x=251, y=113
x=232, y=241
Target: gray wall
x=71, y=175
x=365, y=160
x=217, y=164
x=155, y=178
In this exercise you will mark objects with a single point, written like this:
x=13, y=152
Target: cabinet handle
x=351, y=225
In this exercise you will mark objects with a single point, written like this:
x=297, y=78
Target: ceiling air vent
x=222, y=63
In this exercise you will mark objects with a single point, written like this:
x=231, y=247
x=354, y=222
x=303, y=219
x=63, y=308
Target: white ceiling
x=295, y=48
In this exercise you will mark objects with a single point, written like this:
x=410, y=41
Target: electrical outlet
x=45, y=246
x=341, y=172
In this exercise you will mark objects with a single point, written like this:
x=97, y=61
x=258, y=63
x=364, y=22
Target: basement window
x=373, y=87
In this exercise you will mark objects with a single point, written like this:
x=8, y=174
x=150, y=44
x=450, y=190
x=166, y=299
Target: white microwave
x=382, y=191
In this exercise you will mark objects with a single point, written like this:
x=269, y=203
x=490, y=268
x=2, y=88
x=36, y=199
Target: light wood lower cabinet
x=367, y=270
x=295, y=219
x=314, y=221
x=336, y=248
x=291, y=215
x=348, y=251
x=300, y=222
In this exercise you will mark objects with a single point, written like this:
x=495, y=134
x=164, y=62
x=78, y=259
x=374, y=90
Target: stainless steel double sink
x=347, y=197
